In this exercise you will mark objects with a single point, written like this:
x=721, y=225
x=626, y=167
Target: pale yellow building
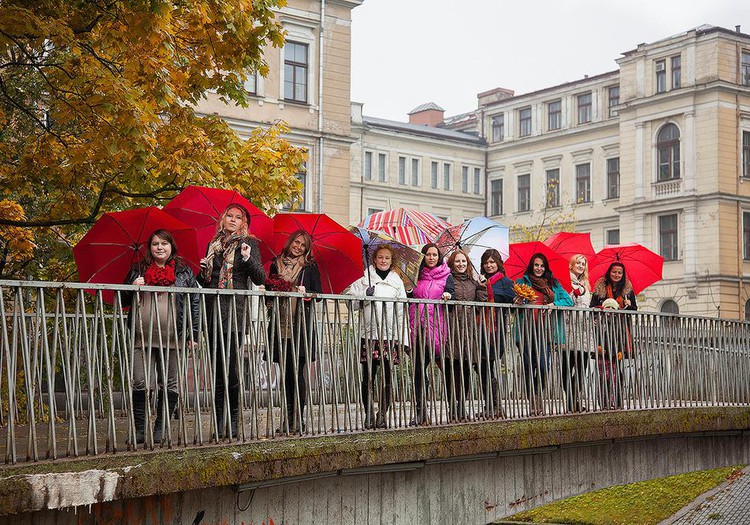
x=308, y=87
x=657, y=152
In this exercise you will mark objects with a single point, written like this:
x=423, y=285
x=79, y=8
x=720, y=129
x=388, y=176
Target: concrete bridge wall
x=420, y=477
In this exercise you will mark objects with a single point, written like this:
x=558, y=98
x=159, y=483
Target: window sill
x=301, y=103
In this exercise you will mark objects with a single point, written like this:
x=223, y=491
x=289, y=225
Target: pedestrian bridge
x=676, y=399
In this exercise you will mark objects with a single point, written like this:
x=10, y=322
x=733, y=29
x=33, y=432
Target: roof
x=423, y=130
x=425, y=107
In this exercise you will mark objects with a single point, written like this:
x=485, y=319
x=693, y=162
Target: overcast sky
x=407, y=52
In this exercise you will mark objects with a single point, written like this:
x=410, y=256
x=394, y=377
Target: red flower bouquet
x=275, y=283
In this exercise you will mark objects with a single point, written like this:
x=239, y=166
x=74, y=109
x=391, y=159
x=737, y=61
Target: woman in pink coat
x=428, y=329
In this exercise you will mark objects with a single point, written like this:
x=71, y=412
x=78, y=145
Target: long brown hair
x=469, y=266
x=308, y=256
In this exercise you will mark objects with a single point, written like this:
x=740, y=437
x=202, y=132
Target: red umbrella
x=337, y=251
x=642, y=266
x=201, y=207
x=118, y=240
x=568, y=244
x=521, y=253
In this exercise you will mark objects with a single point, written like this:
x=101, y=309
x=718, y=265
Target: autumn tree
x=97, y=114
x=548, y=219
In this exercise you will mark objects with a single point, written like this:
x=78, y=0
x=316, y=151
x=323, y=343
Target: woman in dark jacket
x=499, y=290
x=231, y=262
x=155, y=315
x=463, y=332
x=613, y=291
x=291, y=336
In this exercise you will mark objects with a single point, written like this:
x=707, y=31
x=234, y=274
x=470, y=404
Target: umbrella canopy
x=201, y=208
x=642, y=266
x=475, y=236
x=337, y=251
x=568, y=244
x=521, y=253
x=408, y=260
x=118, y=240
x=428, y=225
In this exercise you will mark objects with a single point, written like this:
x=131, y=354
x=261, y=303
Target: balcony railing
x=667, y=188
x=72, y=366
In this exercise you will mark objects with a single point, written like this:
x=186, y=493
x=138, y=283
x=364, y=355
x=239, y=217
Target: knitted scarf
x=156, y=275
x=289, y=268
x=619, y=298
x=224, y=246
x=542, y=286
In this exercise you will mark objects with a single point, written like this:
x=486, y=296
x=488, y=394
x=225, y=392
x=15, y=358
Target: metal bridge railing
x=72, y=368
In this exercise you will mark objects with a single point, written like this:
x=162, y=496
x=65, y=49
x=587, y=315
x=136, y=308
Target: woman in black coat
x=231, y=262
x=291, y=330
x=613, y=291
x=154, y=320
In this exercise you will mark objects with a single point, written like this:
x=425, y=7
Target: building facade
x=309, y=88
x=655, y=152
x=415, y=165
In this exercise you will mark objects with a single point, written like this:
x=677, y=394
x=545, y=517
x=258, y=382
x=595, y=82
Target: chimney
x=429, y=114
x=737, y=28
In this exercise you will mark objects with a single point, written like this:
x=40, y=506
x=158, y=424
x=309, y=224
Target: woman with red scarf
x=536, y=335
x=154, y=316
x=232, y=261
x=613, y=331
x=499, y=290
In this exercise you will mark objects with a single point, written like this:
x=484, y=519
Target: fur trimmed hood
x=600, y=288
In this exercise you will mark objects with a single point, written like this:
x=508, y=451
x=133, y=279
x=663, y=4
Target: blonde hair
x=243, y=229
x=584, y=278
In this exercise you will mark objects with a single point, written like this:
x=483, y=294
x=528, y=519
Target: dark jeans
x=574, y=364
x=456, y=372
x=535, y=364
x=421, y=359
x=295, y=385
x=369, y=370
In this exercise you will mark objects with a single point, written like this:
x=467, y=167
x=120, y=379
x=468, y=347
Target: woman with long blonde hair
x=576, y=356
x=231, y=262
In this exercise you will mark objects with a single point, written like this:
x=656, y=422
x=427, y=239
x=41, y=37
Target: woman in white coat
x=384, y=329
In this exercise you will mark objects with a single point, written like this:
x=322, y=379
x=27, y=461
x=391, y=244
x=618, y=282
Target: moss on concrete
x=164, y=471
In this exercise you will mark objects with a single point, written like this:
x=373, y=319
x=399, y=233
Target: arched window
x=670, y=307
x=668, y=152
x=747, y=310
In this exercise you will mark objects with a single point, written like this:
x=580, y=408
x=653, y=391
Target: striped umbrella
x=406, y=225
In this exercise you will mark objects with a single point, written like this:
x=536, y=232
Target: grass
x=642, y=503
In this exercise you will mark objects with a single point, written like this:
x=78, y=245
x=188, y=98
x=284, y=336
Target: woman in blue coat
x=535, y=341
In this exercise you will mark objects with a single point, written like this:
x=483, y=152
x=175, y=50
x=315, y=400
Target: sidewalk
x=727, y=504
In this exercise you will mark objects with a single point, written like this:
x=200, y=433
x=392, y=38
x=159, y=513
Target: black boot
x=234, y=400
x=139, y=414
x=172, y=398
x=220, y=416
